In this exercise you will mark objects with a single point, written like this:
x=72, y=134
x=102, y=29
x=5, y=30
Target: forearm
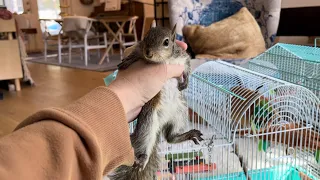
x=80, y=141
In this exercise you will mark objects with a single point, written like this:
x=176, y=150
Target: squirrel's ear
x=154, y=24
x=173, y=33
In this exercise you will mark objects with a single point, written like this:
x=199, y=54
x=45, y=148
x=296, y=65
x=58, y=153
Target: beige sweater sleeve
x=81, y=141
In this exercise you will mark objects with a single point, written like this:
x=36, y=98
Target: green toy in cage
x=263, y=111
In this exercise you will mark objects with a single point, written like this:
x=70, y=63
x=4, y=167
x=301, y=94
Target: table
x=60, y=21
x=120, y=21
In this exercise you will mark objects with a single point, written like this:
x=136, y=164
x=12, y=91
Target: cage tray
x=275, y=173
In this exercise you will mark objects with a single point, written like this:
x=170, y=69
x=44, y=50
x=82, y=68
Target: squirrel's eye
x=166, y=42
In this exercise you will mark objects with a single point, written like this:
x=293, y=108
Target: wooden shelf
x=10, y=62
x=161, y=11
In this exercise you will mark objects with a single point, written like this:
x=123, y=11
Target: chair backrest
x=132, y=24
x=206, y=12
x=22, y=21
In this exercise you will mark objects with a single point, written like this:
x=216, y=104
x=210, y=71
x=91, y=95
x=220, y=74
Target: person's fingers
x=174, y=70
x=182, y=44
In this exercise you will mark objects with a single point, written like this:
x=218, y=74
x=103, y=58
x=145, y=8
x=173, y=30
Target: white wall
x=294, y=4
x=299, y=3
x=82, y=10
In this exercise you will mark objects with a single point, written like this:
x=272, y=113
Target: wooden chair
x=131, y=33
x=50, y=40
x=80, y=31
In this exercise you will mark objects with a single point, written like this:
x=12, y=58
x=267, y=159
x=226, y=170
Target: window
x=50, y=9
x=15, y=6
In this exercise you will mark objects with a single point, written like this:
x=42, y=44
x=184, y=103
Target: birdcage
x=255, y=127
x=293, y=63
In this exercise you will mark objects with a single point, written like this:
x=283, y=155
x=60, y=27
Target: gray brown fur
x=166, y=113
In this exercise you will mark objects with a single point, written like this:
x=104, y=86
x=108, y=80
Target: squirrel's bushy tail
x=130, y=173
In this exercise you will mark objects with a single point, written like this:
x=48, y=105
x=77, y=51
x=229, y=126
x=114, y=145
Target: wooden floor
x=55, y=87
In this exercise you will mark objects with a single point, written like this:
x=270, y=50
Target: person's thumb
x=174, y=70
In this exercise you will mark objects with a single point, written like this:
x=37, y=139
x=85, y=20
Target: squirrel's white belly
x=171, y=101
x=170, y=91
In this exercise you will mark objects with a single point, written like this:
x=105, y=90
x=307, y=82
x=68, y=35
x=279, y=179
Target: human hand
x=139, y=83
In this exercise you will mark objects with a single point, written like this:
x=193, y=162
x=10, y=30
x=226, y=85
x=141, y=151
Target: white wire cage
x=297, y=64
x=255, y=127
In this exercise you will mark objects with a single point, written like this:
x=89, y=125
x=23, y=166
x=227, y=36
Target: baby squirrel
x=165, y=114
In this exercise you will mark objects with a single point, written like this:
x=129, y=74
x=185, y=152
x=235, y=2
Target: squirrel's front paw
x=141, y=162
x=183, y=82
x=182, y=86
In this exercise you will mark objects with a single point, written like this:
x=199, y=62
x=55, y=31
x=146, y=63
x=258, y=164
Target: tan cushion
x=236, y=37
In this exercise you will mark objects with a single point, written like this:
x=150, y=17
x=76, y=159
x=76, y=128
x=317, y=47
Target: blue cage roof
x=308, y=53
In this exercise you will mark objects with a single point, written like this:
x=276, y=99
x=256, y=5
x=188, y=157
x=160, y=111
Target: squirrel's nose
x=149, y=54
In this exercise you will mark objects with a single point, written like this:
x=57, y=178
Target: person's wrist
x=127, y=94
